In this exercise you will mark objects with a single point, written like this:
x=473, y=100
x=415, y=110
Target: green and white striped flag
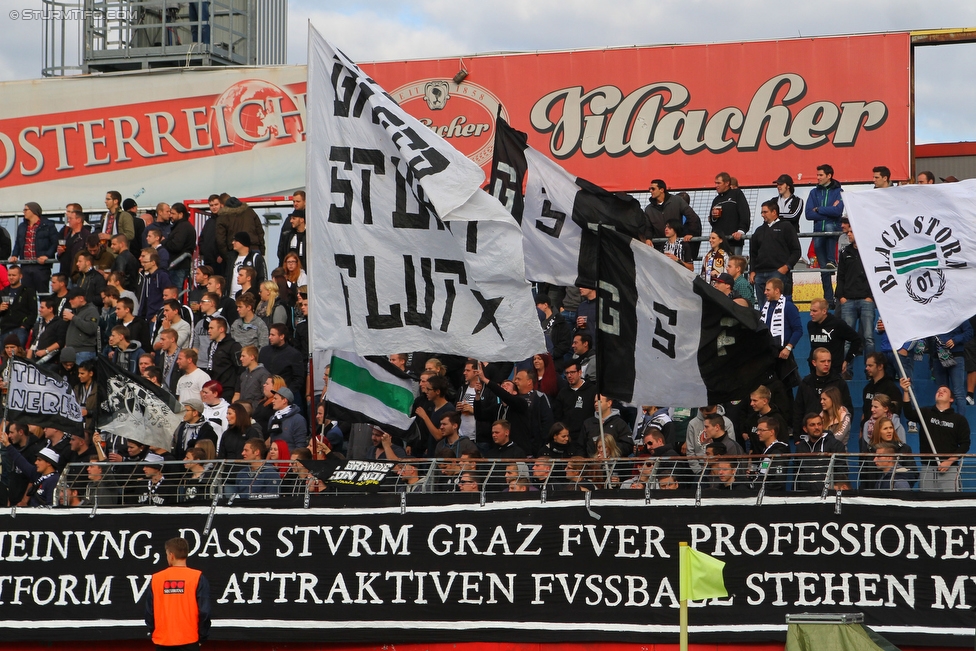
x=364, y=391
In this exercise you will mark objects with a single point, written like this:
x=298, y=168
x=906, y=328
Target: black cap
x=244, y=238
x=75, y=292
x=128, y=204
x=784, y=178
x=298, y=212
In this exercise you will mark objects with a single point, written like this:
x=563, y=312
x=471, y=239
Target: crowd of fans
x=202, y=318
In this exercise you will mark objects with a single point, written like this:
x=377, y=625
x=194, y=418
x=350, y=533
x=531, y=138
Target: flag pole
x=683, y=603
x=918, y=410
x=596, y=342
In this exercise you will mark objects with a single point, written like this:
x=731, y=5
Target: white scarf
x=776, y=326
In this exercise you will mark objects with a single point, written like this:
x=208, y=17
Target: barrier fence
x=106, y=485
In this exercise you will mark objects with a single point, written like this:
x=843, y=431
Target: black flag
x=38, y=397
x=135, y=408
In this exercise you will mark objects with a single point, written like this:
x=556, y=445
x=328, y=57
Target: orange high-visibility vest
x=175, y=606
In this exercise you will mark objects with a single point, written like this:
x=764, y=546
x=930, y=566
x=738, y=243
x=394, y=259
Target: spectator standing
x=824, y=208
x=223, y=357
x=74, y=235
x=193, y=379
x=252, y=378
x=37, y=241
x=180, y=243
x=950, y=435
x=293, y=241
x=18, y=307
x=730, y=214
x=235, y=217
x=116, y=220
x=154, y=280
x=774, y=250
x=854, y=294
x=82, y=335
x=249, y=330
x=790, y=206
x=282, y=359
x=125, y=263
x=664, y=207
x=829, y=331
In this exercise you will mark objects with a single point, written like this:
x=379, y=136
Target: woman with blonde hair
x=885, y=433
x=836, y=418
x=881, y=407
x=270, y=310
x=209, y=450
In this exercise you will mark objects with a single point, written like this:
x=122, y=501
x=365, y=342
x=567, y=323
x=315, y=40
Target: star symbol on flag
x=488, y=308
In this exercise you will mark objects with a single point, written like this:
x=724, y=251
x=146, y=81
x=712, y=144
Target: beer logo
x=463, y=114
x=916, y=256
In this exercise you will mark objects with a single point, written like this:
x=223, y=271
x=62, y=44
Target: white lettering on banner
x=605, y=121
x=34, y=392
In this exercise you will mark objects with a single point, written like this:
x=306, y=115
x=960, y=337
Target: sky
x=377, y=30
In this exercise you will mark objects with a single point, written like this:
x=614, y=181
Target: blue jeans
x=826, y=250
x=762, y=277
x=907, y=361
x=178, y=277
x=855, y=310
x=953, y=377
x=83, y=356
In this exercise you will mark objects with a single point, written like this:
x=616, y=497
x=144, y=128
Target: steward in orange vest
x=178, y=605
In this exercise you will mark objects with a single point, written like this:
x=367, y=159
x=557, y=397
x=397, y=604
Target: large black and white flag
x=553, y=207
x=668, y=338
x=38, y=397
x=918, y=248
x=135, y=408
x=406, y=251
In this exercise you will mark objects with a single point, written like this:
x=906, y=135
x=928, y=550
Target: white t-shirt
x=188, y=387
x=216, y=415
x=234, y=285
x=469, y=425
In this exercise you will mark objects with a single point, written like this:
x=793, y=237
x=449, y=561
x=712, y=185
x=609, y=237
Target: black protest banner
x=350, y=474
x=511, y=570
x=39, y=397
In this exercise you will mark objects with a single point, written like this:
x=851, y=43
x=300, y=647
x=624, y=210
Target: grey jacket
x=83, y=330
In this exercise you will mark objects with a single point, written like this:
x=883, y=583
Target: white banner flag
x=405, y=251
x=918, y=248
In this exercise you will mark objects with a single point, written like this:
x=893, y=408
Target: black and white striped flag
x=668, y=338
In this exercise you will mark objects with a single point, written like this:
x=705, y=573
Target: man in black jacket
x=182, y=240
x=284, y=360
x=879, y=382
x=90, y=279
x=828, y=331
x=662, y=208
x=613, y=426
x=853, y=293
x=808, y=394
x=811, y=474
x=528, y=410
x=125, y=263
x=224, y=356
x=950, y=434
x=573, y=403
x=49, y=333
x=774, y=249
x=730, y=214
x=18, y=309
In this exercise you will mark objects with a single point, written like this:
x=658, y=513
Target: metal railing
x=107, y=485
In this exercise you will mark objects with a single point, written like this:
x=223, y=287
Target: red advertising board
x=621, y=117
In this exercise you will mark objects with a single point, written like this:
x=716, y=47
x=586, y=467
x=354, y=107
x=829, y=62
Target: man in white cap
x=157, y=492
x=42, y=474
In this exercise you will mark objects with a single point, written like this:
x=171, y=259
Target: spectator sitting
x=257, y=479
x=157, y=491
x=893, y=475
x=287, y=423
x=239, y=431
x=193, y=428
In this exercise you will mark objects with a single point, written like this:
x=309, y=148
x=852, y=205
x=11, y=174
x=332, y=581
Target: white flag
x=405, y=251
x=918, y=248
